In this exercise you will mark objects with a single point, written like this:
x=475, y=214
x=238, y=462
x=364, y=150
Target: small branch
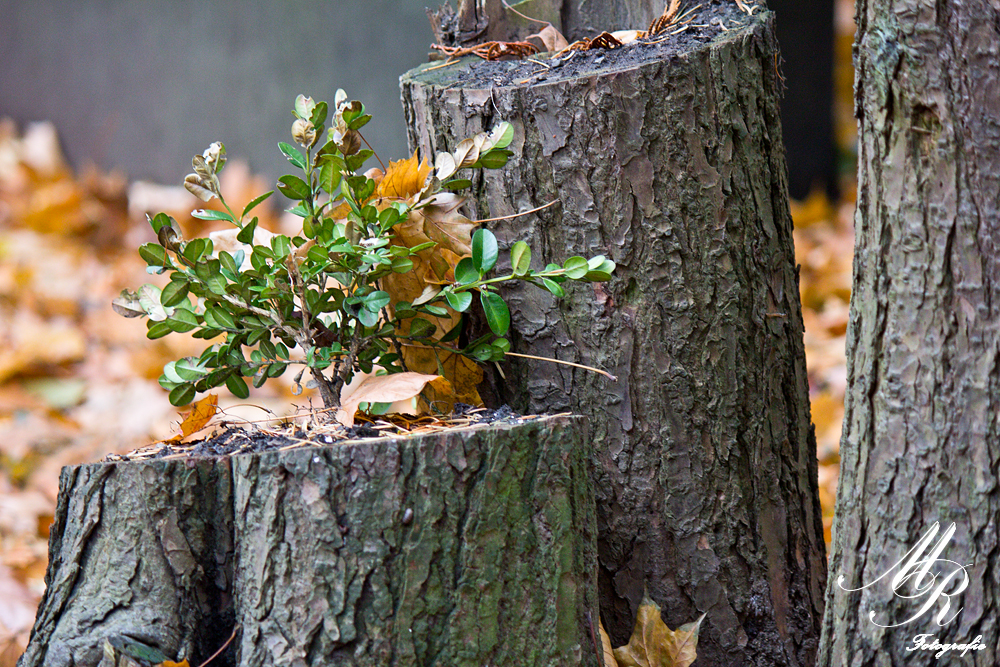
x=515, y=215
x=565, y=363
x=529, y=356
x=371, y=149
x=222, y=648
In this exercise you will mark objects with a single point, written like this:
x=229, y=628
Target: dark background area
x=142, y=86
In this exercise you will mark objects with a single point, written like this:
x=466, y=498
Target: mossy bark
x=468, y=547
x=707, y=474
x=921, y=435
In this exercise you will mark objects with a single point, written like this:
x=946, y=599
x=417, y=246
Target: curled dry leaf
x=380, y=389
x=200, y=414
x=550, y=38
x=653, y=644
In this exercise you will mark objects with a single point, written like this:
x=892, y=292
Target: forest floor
x=78, y=383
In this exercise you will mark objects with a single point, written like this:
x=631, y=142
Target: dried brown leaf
x=200, y=414
x=380, y=389
x=550, y=38
x=609, y=653
x=653, y=644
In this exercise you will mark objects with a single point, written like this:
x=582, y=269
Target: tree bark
x=671, y=166
x=921, y=436
x=467, y=547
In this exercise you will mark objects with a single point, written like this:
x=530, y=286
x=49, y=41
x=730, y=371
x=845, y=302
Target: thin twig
x=371, y=149
x=529, y=356
x=565, y=363
x=223, y=647
x=451, y=61
x=527, y=18
x=515, y=215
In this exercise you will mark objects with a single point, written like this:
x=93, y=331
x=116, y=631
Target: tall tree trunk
x=921, y=434
x=672, y=166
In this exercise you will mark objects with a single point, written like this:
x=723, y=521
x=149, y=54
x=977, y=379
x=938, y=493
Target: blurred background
x=102, y=105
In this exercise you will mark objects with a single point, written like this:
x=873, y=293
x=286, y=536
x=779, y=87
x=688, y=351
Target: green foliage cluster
x=317, y=300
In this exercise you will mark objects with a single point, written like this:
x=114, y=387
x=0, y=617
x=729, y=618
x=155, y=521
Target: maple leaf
x=653, y=644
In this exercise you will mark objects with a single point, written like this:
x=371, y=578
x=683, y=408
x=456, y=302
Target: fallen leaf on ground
x=653, y=644
x=380, y=389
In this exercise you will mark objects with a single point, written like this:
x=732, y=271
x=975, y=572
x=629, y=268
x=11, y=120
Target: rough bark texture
x=706, y=480
x=470, y=547
x=140, y=550
x=921, y=437
x=476, y=21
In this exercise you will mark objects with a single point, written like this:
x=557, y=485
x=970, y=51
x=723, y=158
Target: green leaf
x=229, y=263
x=182, y=321
x=238, y=386
x=221, y=319
x=319, y=114
x=216, y=283
x=436, y=311
x=246, y=234
x=367, y=317
x=281, y=245
x=294, y=187
x=329, y=177
x=292, y=154
x=497, y=314
x=174, y=293
x=156, y=330
x=457, y=184
x=189, y=369
x=494, y=159
x=209, y=214
x=376, y=301
x=554, y=287
x=576, y=267
x=421, y=328
x=602, y=272
x=161, y=220
x=154, y=254
x=459, y=301
x=465, y=272
x=520, y=258
x=453, y=333
x=359, y=122
x=195, y=249
x=402, y=265
x=253, y=204
x=484, y=250
x=182, y=394
x=506, y=134
x=422, y=246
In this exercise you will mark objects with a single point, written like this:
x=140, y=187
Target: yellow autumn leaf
x=653, y=644
x=201, y=413
x=609, y=653
x=403, y=179
x=380, y=389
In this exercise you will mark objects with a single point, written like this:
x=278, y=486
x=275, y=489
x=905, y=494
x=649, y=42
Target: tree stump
x=666, y=158
x=466, y=547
